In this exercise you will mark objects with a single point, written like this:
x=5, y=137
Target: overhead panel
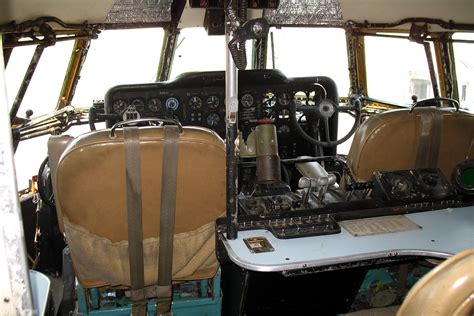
x=140, y=11
x=305, y=12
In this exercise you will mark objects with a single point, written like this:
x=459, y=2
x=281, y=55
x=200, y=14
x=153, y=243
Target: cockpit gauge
x=119, y=105
x=195, y=102
x=139, y=104
x=172, y=104
x=284, y=114
x=284, y=99
x=213, y=119
x=269, y=100
x=212, y=102
x=154, y=104
x=247, y=100
x=301, y=98
x=283, y=130
x=401, y=184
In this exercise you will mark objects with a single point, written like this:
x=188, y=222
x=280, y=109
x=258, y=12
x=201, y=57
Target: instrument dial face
x=400, y=184
x=284, y=99
x=212, y=102
x=284, y=114
x=195, y=102
x=269, y=100
x=154, y=104
x=119, y=105
x=172, y=104
x=213, y=119
x=284, y=130
x=247, y=100
x=139, y=104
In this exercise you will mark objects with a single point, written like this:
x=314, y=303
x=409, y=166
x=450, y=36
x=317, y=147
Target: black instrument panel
x=198, y=99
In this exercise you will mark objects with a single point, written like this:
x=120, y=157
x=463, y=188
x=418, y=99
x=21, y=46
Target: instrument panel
x=198, y=99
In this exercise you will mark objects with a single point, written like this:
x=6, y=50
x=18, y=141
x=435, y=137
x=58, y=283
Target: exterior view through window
x=396, y=70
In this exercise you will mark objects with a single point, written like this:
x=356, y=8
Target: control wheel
x=326, y=109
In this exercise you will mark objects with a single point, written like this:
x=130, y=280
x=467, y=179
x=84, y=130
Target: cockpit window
x=197, y=51
x=301, y=52
x=464, y=59
x=118, y=57
x=396, y=70
x=43, y=91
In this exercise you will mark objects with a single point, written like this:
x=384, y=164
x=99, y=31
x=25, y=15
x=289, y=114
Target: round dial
x=269, y=100
x=284, y=99
x=213, y=119
x=284, y=130
x=154, y=104
x=284, y=114
x=195, y=102
x=119, y=105
x=172, y=104
x=212, y=102
x=247, y=100
x=400, y=184
x=139, y=104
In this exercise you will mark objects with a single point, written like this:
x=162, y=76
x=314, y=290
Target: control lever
x=315, y=177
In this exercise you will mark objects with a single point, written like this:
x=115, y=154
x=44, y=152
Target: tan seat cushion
x=91, y=193
x=389, y=141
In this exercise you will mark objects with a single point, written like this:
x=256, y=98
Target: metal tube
x=260, y=53
x=26, y=81
x=429, y=57
x=76, y=61
x=167, y=54
x=232, y=106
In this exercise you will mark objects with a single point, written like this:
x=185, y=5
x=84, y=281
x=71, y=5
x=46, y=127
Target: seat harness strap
x=167, y=219
x=135, y=225
x=430, y=138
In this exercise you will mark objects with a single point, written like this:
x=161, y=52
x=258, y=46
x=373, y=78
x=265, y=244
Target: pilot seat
x=424, y=137
x=106, y=181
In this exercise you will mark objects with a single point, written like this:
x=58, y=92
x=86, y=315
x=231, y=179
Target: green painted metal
x=193, y=298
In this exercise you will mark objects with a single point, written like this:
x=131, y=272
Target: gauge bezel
x=157, y=104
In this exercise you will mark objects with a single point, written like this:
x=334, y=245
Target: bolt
x=257, y=28
x=6, y=299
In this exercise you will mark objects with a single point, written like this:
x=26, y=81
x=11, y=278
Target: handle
x=144, y=120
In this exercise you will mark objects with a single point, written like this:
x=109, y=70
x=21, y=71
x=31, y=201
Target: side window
x=43, y=91
x=41, y=97
x=396, y=70
x=464, y=60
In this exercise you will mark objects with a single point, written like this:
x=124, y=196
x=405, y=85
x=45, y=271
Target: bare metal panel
x=15, y=290
x=71, y=11
x=377, y=11
x=305, y=12
x=140, y=11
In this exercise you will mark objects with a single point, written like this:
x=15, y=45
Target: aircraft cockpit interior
x=226, y=192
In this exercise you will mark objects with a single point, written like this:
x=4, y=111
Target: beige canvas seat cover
x=448, y=289
x=389, y=141
x=91, y=199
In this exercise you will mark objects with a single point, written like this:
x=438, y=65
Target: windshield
x=319, y=52
x=118, y=57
